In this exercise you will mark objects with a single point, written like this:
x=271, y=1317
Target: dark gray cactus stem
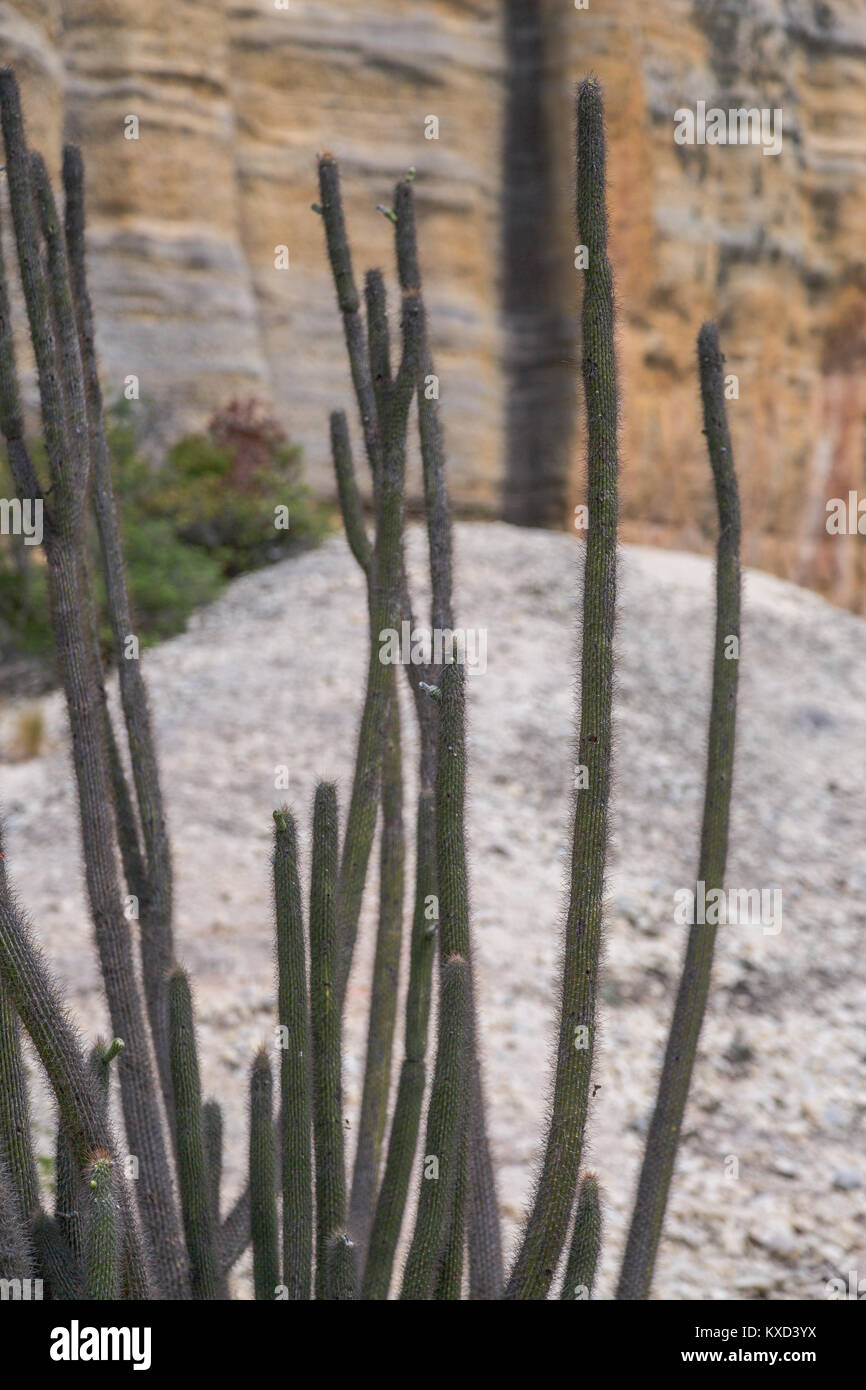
x=547, y=1225
x=429, y=424
x=349, y=303
x=579, y=1278
x=101, y=1057
x=446, y=1123
x=102, y=1256
x=156, y=907
x=78, y=661
x=386, y=611
x=378, y=342
x=403, y=1140
x=383, y=995
x=263, y=1181
x=341, y=1280
x=17, y=1260
x=42, y=1011
x=295, y=1063
x=664, y=1131
x=449, y=1286
x=69, y=1194
x=68, y=460
x=212, y=1131
x=15, y=1143
x=192, y=1168
x=485, y=1239
x=326, y=1031
x=347, y=488
x=58, y=1267
x=134, y=869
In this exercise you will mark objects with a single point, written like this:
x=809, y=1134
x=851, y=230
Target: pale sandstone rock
x=235, y=100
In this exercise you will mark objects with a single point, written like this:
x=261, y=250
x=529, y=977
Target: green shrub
x=205, y=515
x=220, y=490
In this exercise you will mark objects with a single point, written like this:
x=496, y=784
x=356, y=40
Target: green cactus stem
x=102, y=1257
x=403, y=1140
x=42, y=1012
x=664, y=1131
x=47, y=295
x=59, y=1268
x=386, y=615
x=547, y=1225
x=295, y=1063
x=156, y=904
x=378, y=341
x=349, y=303
x=326, y=1032
x=16, y=1251
x=585, y=1247
x=263, y=1180
x=15, y=1143
x=347, y=488
x=446, y=1122
x=383, y=995
x=192, y=1169
x=341, y=1269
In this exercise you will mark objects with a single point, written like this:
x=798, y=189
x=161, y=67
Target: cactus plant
x=167, y=1235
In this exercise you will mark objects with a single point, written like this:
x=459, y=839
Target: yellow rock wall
x=236, y=97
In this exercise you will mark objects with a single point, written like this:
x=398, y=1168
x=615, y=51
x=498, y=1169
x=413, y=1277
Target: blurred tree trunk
x=539, y=280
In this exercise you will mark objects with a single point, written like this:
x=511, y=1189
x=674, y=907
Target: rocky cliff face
x=234, y=99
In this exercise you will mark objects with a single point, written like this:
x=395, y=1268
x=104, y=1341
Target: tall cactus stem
x=383, y=996
x=665, y=1126
x=40, y=1008
x=386, y=613
x=15, y=1142
x=547, y=1225
x=263, y=1180
x=341, y=1278
x=347, y=489
x=295, y=1063
x=403, y=1139
x=156, y=906
x=326, y=1032
x=192, y=1169
x=79, y=666
x=102, y=1257
x=579, y=1278
x=446, y=1123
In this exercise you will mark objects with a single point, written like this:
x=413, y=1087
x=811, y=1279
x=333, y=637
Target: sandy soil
x=273, y=674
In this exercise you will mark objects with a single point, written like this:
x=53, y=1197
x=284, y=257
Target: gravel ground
x=273, y=674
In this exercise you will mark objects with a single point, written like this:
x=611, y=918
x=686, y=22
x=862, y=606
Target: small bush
x=204, y=516
x=220, y=490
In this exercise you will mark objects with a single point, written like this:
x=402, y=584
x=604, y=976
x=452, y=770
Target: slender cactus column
x=664, y=1131
x=547, y=1225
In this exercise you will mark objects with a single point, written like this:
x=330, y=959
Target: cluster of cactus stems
x=318, y=1230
